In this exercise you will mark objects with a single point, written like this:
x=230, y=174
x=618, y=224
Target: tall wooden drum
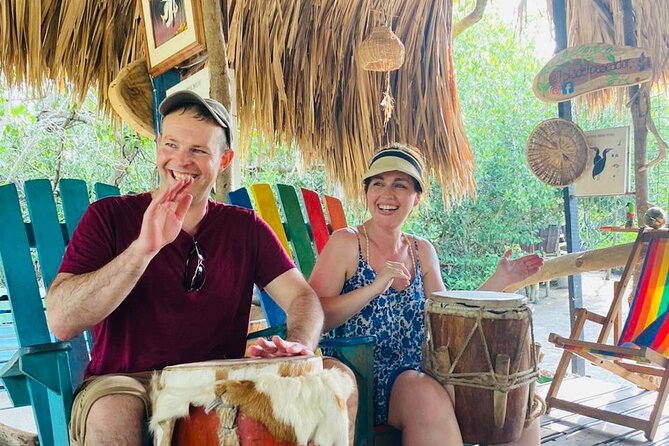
x=249, y=402
x=479, y=345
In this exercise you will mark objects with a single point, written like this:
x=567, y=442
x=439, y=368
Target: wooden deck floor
x=560, y=428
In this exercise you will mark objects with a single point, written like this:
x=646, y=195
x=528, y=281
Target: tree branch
x=471, y=19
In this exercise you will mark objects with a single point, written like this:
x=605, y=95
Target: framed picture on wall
x=608, y=164
x=174, y=32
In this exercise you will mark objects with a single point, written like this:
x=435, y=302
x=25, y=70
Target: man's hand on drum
x=277, y=348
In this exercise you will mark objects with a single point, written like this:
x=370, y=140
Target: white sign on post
x=607, y=167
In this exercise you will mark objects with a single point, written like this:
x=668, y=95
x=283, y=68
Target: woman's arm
x=510, y=271
x=432, y=280
x=336, y=263
x=507, y=272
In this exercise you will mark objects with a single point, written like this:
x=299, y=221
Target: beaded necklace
x=413, y=258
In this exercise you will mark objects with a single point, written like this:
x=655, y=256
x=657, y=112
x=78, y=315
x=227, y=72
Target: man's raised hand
x=164, y=217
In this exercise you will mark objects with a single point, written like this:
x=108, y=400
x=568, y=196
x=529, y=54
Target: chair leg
x=656, y=414
x=576, y=331
x=557, y=378
x=40, y=404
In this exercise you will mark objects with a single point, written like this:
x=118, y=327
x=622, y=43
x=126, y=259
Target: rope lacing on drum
x=490, y=380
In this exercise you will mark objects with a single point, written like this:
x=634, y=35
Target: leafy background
x=48, y=137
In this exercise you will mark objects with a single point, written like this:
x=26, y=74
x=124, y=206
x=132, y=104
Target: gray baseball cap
x=215, y=108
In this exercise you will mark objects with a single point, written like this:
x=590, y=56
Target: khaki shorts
x=96, y=387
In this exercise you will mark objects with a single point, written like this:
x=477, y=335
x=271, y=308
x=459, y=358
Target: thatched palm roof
x=76, y=44
x=296, y=74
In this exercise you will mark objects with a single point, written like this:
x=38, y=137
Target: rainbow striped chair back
x=639, y=353
x=647, y=323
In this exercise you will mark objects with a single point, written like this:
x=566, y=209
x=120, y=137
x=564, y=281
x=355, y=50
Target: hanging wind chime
x=382, y=51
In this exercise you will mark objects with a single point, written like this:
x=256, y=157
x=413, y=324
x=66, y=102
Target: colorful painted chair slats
x=335, y=212
x=32, y=376
x=640, y=353
x=41, y=373
x=274, y=315
x=319, y=227
x=297, y=229
x=268, y=210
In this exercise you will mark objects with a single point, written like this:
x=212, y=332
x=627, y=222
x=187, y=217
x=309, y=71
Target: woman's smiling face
x=391, y=196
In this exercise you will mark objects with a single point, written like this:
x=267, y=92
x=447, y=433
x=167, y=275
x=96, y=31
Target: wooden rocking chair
x=639, y=353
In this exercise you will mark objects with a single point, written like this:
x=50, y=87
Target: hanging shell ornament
x=557, y=151
x=131, y=97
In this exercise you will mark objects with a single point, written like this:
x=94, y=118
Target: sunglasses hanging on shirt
x=194, y=272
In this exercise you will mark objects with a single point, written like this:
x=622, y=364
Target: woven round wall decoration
x=557, y=151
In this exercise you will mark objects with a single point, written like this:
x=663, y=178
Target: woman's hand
x=510, y=271
x=392, y=273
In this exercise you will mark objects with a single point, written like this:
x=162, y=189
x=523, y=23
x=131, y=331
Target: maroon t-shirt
x=159, y=323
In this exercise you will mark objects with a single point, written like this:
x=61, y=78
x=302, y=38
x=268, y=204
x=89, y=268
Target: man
x=166, y=277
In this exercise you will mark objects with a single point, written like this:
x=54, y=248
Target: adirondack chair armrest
x=357, y=353
x=33, y=362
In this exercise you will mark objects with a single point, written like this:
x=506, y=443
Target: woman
x=372, y=280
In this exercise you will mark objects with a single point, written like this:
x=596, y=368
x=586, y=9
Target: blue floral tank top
x=396, y=318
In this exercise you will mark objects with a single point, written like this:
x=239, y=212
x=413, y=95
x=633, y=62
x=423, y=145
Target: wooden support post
x=640, y=105
x=570, y=203
x=219, y=82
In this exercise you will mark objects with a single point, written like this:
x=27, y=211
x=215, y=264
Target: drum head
x=235, y=362
x=487, y=299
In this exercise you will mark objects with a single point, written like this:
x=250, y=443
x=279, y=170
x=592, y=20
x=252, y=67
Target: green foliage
x=283, y=166
x=494, y=76
x=49, y=137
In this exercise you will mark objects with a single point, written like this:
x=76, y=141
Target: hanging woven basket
x=382, y=50
x=131, y=97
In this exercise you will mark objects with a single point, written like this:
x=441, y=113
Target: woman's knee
x=414, y=391
x=419, y=388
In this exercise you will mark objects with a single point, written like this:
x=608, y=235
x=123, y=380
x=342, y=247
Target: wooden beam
x=576, y=263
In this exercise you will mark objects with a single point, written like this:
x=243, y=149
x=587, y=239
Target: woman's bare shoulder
x=424, y=245
x=344, y=236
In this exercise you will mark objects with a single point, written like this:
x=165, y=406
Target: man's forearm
x=77, y=302
x=305, y=320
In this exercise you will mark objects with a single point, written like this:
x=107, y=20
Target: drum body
x=480, y=346
x=217, y=402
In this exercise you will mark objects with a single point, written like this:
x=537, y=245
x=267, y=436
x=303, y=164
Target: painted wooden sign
x=590, y=67
x=608, y=165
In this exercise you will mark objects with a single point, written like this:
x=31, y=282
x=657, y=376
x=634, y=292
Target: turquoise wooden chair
x=303, y=239
x=43, y=372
